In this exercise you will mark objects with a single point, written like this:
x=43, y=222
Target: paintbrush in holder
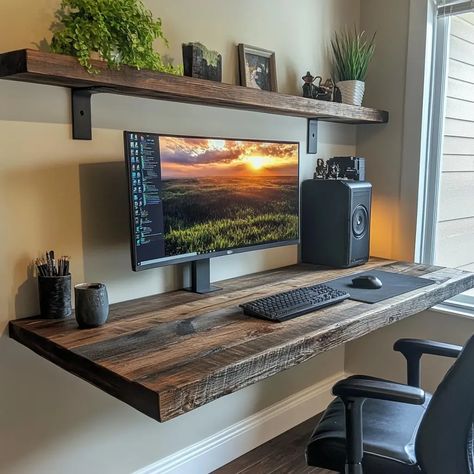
x=54, y=286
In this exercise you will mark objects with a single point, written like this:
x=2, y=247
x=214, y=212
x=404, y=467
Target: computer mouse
x=368, y=282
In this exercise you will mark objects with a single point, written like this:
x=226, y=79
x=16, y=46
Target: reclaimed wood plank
x=114, y=384
x=171, y=353
x=61, y=70
x=134, y=315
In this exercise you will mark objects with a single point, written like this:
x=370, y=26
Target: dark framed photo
x=257, y=68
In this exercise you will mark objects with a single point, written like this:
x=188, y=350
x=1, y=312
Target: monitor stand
x=201, y=277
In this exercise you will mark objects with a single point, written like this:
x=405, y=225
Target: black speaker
x=335, y=222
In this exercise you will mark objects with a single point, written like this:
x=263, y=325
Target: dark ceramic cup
x=55, y=296
x=92, y=304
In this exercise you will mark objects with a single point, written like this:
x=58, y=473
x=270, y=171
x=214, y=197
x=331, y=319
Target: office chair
x=379, y=427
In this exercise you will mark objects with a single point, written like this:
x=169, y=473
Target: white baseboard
x=240, y=438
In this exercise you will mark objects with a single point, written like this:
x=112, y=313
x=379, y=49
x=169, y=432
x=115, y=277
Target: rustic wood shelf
x=60, y=70
x=168, y=354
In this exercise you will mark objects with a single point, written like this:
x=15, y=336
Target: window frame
x=434, y=153
x=435, y=140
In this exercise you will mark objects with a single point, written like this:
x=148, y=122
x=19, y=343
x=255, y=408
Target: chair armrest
x=424, y=346
x=354, y=391
x=380, y=390
x=413, y=349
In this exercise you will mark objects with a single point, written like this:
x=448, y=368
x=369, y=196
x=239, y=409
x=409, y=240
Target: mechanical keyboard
x=293, y=303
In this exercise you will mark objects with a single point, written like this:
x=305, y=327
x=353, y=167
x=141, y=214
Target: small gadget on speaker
x=341, y=167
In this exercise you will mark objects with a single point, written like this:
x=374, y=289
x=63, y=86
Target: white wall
x=70, y=196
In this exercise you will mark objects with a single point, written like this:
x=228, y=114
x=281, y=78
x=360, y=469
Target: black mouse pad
x=393, y=284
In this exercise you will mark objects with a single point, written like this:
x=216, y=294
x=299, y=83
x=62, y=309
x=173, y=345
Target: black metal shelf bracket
x=312, y=138
x=82, y=117
x=81, y=112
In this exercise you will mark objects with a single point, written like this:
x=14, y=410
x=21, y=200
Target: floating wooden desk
x=168, y=354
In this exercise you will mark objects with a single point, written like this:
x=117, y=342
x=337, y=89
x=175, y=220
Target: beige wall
x=382, y=146
x=70, y=196
x=373, y=354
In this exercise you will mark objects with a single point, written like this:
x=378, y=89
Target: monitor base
x=203, y=291
x=201, y=277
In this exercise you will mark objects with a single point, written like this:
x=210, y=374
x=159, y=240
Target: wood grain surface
x=171, y=353
x=284, y=454
x=61, y=70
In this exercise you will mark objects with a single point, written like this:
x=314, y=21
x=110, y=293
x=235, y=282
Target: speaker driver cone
x=360, y=221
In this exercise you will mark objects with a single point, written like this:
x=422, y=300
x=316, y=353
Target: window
x=449, y=216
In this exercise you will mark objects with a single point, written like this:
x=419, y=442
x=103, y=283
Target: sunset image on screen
x=227, y=194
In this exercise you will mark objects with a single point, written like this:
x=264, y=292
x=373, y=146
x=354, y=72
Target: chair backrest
x=444, y=442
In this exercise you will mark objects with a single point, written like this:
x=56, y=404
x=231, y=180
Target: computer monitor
x=192, y=198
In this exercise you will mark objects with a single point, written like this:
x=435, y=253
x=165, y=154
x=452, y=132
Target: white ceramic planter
x=352, y=92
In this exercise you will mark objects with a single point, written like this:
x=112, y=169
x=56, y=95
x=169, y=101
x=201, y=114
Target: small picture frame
x=257, y=68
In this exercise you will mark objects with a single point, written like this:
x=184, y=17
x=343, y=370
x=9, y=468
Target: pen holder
x=55, y=296
x=92, y=304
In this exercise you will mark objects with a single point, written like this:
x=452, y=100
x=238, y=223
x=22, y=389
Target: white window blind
x=454, y=7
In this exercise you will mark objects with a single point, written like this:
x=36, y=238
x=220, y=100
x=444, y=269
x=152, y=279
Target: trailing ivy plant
x=352, y=53
x=120, y=31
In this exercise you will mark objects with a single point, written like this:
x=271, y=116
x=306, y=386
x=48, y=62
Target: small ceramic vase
x=92, y=304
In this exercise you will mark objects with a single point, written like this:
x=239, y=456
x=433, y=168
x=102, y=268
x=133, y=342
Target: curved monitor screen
x=193, y=198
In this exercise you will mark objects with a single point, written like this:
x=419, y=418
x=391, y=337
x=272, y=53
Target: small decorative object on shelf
x=352, y=53
x=333, y=171
x=321, y=169
x=341, y=167
x=201, y=62
x=54, y=286
x=92, y=304
x=118, y=31
x=309, y=89
x=257, y=68
x=317, y=91
x=326, y=90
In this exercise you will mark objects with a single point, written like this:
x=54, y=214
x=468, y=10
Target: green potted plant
x=352, y=53
x=117, y=31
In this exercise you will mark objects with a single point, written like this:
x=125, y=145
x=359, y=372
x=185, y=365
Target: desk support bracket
x=312, y=139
